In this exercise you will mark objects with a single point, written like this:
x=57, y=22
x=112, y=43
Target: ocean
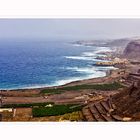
x=34, y=64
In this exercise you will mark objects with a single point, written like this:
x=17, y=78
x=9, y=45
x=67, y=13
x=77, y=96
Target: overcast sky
x=69, y=28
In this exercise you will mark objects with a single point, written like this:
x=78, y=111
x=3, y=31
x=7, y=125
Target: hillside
x=105, y=43
x=132, y=50
x=127, y=103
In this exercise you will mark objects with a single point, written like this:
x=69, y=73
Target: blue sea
x=34, y=64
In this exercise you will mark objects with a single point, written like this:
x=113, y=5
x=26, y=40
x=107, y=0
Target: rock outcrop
x=114, y=62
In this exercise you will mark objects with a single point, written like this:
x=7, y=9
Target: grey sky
x=69, y=28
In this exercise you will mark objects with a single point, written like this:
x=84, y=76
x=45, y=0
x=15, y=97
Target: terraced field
x=103, y=87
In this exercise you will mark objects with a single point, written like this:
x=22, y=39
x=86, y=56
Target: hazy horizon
x=68, y=29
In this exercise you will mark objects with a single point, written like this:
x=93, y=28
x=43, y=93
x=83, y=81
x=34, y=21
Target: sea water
x=34, y=63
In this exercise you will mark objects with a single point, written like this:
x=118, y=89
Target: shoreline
x=25, y=96
x=60, y=82
x=66, y=84
x=110, y=76
x=35, y=94
x=78, y=80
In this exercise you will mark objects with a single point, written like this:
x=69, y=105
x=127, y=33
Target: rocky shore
x=113, y=62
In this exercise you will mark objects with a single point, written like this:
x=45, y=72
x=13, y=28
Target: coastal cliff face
x=127, y=102
x=132, y=50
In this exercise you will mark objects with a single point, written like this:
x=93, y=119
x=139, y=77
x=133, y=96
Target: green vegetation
x=55, y=110
x=74, y=116
x=26, y=105
x=104, y=87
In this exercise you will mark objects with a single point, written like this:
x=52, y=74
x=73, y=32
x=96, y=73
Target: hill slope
x=132, y=50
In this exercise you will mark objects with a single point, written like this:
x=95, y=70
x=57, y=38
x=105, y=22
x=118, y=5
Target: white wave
x=89, y=46
x=66, y=81
x=78, y=45
x=82, y=45
x=91, y=73
x=89, y=54
x=102, y=49
x=106, y=68
x=90, y=70
x=80, y=58
x=93, y=54
x=82, y=70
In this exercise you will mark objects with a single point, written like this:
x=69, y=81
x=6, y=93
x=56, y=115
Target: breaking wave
x=91, y=56
x=80, y=58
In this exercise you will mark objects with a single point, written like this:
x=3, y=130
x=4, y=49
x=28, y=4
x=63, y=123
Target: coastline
x=70, y=80
x=109, y=78
x=80, y=93
x=36, y=95
x=77, y=82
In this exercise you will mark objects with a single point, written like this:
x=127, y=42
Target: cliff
x=127, y=102
x=132, y=50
